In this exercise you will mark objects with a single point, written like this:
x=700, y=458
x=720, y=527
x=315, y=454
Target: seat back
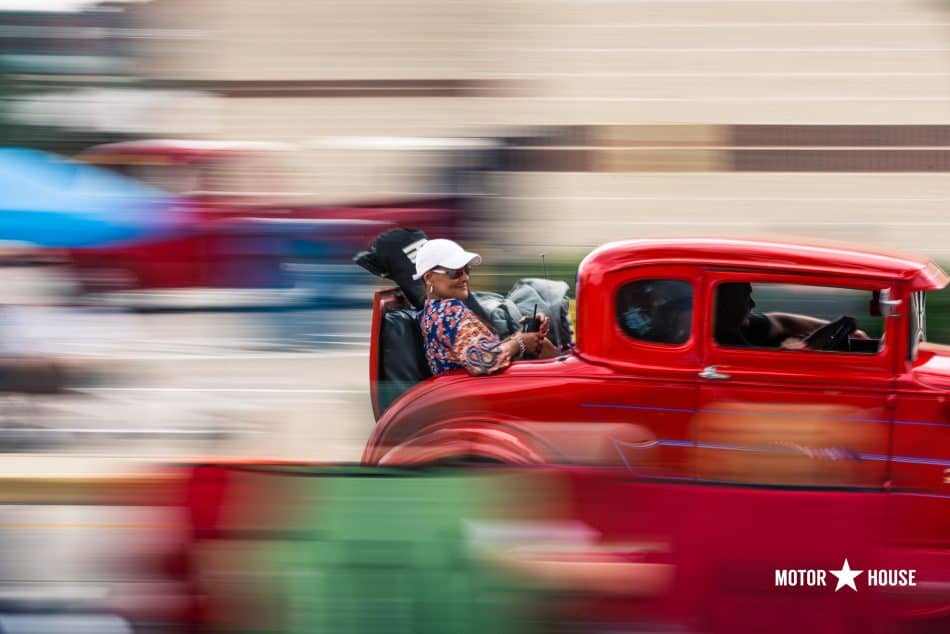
x=402, y=360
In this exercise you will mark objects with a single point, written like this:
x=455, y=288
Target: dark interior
x=402, y=361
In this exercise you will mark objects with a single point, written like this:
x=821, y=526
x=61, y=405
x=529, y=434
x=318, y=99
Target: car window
x=658, y=311
x=796, y=316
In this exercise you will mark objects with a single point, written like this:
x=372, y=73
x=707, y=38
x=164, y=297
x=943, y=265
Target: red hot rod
x=863, y=392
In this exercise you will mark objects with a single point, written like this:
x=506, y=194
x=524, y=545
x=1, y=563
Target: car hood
x=932, y=366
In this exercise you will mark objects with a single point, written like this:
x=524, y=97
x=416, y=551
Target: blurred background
x=185, y=181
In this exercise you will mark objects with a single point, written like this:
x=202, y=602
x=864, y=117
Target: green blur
x=361, y=551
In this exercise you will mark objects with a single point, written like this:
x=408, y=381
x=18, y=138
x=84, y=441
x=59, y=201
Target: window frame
x=916, y=311
x=600, y=339
x=627, y=335
x=795, y=360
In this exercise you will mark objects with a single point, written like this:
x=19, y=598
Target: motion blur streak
x=292, y=549
x=183, y=187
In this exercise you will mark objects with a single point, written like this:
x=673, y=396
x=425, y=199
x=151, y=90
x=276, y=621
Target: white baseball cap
x=445, y=253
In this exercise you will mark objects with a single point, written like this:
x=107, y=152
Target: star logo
x=846, y=576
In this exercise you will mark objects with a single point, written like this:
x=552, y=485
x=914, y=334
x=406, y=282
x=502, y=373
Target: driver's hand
x=793, y=343
x=857, y=334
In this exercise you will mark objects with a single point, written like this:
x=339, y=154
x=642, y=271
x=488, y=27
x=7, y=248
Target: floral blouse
x=456, y=338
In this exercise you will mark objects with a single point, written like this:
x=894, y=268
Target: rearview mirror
x=889, y=307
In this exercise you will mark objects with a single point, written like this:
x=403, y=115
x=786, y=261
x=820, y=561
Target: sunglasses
x=454, y=274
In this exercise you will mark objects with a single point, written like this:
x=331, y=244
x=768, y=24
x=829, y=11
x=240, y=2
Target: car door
x=646, y=332
x=799, y=417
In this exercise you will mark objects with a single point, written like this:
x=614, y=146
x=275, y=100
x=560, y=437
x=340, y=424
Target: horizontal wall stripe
x=835, y=160
x=742, y=148
x=742, y=135
x=841, y=135
x=352, y=88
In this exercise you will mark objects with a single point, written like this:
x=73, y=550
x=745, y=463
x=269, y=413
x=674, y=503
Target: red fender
x=491, y=441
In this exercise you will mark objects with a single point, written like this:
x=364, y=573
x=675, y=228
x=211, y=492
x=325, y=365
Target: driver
x=737, y=325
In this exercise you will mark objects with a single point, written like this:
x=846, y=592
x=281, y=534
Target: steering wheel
x=832, y=336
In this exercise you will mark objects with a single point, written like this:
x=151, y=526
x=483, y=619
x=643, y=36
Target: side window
x=658, y=311
x=797, y=317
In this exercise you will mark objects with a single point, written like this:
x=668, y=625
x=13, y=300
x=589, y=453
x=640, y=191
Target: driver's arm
x=791, y=325
x=792, y=328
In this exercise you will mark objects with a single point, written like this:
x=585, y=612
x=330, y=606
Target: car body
x=243, y=228
x=686, y=404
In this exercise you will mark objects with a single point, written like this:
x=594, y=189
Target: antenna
x=557, y=334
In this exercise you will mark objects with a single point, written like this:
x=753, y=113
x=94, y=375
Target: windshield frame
x=917, y=323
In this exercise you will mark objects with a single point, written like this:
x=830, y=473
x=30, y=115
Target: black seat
x=402, y=355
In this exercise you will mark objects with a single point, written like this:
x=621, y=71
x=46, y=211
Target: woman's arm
x=487, y=356
x=479, y=350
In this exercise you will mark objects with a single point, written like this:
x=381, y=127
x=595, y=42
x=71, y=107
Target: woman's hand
x=545, y=324
x=533, y=342
x=548, y=351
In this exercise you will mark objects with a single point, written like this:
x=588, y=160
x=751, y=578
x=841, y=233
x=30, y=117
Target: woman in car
x=454, y=335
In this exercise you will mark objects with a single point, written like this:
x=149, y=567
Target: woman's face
x=443, y=286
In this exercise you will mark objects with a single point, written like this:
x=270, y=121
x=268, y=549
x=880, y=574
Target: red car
x=865, y=392
x=240, y=230
x=745, y=474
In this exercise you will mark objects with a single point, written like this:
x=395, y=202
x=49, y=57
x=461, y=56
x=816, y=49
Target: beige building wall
x=582, y=61
x=329, y=39
x=301, y=70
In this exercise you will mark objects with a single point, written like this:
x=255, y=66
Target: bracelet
x=521, y=345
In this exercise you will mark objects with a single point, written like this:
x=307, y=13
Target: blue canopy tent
x=52, y=202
